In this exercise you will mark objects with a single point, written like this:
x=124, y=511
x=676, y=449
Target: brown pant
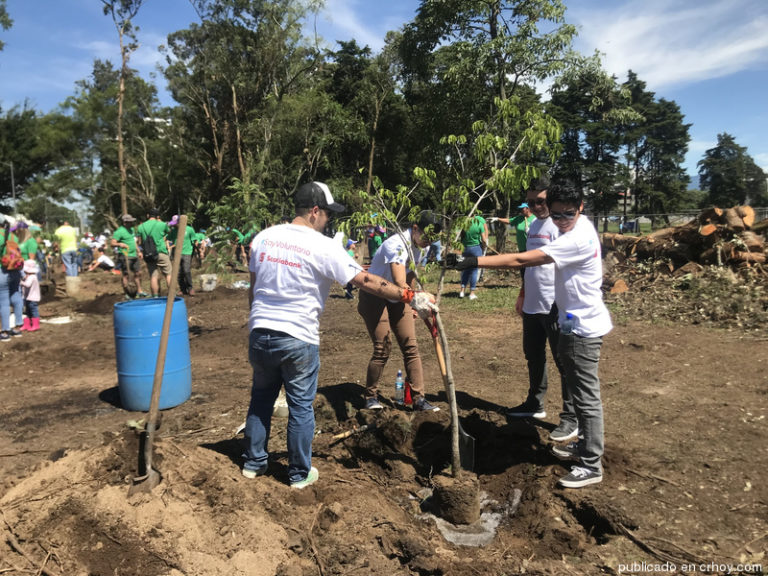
x=382, y=317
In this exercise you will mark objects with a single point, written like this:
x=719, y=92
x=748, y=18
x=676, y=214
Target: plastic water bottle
x=399, y=388
x=567, y=326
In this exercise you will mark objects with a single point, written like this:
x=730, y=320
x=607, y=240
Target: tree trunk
x=125, y=54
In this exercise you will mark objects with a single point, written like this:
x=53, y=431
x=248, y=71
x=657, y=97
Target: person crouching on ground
x=578, y=280
x=102, y=262
x=385, y=315
x=30, y=289
x=292, y=268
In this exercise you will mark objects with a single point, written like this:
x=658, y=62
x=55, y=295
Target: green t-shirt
x=199, y=237
x=67, y=237
x=475, y=232
x=158, y=230
x=189, y=236
x=28, y=248
x=124, y=236
x=521, y=226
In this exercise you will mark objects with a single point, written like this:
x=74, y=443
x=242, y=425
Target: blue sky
x=709, y=56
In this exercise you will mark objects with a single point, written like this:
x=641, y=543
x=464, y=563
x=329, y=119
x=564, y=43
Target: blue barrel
x=138, y=326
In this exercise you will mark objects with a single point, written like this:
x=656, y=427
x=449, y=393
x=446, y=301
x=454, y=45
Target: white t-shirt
x=104, y=259
x=294, y=268
x=539, y=281
x=578, y=278
x=393, y=250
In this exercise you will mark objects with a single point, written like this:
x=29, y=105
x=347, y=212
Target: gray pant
x=580, y=357
x=538, y=329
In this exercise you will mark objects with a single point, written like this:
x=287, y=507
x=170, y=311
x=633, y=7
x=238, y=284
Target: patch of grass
x=497, y=291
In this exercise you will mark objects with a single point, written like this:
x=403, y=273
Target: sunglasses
x=563, y=215
x=537, y=202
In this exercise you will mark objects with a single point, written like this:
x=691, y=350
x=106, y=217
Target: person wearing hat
x=124, y=239
x=383, y=315
x=292, y=268
x=159, y=231
x=521, y=223
x=187, y=248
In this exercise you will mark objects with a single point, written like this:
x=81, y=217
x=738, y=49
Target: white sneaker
x=461, y=294
x=473, y=296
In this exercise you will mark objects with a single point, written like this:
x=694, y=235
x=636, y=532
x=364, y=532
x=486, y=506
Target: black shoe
x=526, y=411
x=14, y=332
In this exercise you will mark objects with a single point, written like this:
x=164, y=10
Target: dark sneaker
x=422, y=405
x=526, y=411
x=308, y=481
x=14, y=332
x=248, y=473
x=569, y=452
x=4, y=337
x=580, y=477
x=373, y=404
x=565, y=431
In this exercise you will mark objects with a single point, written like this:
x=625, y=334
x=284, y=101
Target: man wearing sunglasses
x=536, y=306
x=578, y=280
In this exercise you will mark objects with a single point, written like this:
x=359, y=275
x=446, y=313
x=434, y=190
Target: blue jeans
x=10, y=296
x=279, y=359
x=580, y=358
x=469, y=276
x=31, y=310
x=70, y=260
x=538, y=329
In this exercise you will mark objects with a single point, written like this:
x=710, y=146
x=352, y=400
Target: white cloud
x=676, y=42
x=342, y=16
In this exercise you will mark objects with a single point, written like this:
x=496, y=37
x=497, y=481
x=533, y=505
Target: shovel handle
x=157, y=383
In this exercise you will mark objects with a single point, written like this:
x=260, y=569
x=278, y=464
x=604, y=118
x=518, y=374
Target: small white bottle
x=399, y=388
x=567, y=326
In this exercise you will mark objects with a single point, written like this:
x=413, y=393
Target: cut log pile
x=725, y=237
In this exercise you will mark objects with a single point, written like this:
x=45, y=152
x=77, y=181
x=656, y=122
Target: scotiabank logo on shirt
x=282, y=261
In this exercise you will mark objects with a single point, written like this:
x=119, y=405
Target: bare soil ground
x=685, y=463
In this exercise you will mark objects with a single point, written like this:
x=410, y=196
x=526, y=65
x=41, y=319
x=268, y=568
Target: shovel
x=466, y=442
x=151, y=477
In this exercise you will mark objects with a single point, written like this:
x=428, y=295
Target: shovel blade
x=466, y=450
x=145, y=483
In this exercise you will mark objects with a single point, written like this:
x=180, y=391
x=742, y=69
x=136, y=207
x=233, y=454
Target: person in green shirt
x=10, y=292
x=27, y=244
x=162, y=265
x=474, y=238
x=124, y=239
x=521, y=223
x=185, y=269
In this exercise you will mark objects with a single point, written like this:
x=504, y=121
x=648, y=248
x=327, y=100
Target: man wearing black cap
x=383, y=315
x=292, y=268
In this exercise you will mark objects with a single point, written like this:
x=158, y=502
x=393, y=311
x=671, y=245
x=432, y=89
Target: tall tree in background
x=461, y=56
x=232, y=74
x=123, y=12
x=730, y=175
x=594, y=112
